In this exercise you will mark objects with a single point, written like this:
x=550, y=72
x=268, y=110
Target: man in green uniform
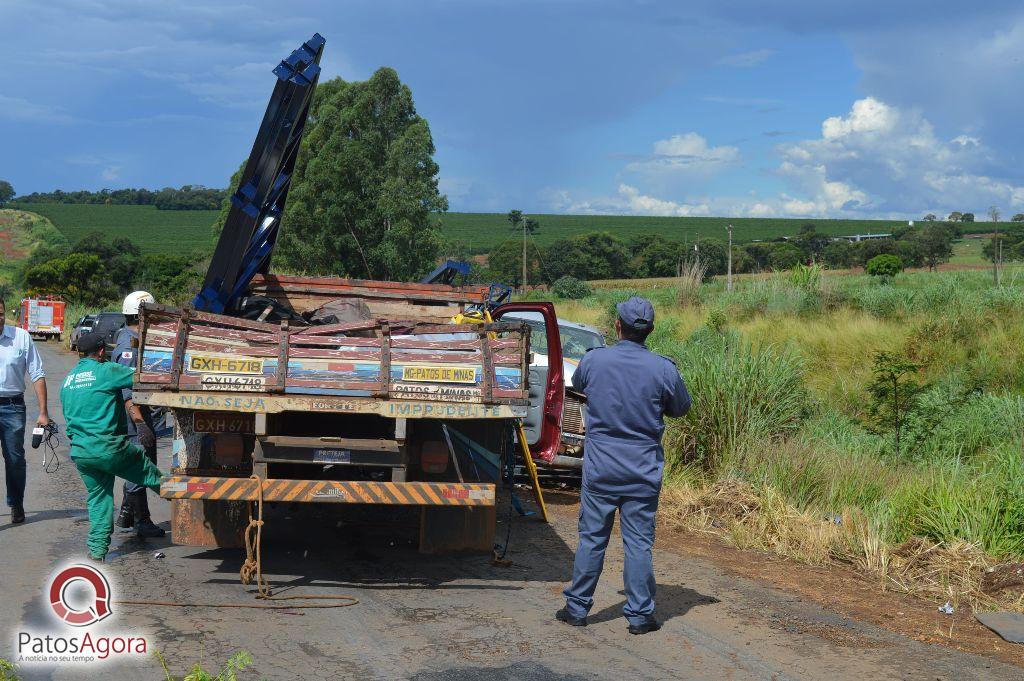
x=94, y=411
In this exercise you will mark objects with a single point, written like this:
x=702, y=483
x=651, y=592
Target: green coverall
x=95, y=416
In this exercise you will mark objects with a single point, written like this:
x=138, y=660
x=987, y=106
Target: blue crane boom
x=250, y=232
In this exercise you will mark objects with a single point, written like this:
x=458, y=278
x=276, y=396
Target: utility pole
x=524, y=254
x=997, y=252
x=999, y=271
x=729, y=279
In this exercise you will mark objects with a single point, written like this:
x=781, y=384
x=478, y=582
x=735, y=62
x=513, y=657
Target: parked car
x=83, y=327
x=109, y=323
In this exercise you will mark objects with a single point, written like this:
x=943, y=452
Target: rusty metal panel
x=208, y=523
x=457, y=529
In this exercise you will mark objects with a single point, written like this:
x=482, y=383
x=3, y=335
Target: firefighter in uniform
x=134, y=511
x=94, y=410
x=629, y=391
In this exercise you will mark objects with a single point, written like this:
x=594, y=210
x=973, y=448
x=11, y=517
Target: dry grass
x=748, y=518
x=691, y=277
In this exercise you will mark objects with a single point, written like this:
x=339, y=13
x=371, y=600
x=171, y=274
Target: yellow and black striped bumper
x=330, y=491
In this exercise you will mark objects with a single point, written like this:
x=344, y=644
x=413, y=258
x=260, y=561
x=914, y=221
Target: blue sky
x=727, y=107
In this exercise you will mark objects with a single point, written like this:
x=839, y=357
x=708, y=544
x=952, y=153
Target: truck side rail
x=182, y=349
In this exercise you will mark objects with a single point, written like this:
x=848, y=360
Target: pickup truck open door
x=543, y=423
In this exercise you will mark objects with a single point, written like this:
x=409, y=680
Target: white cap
x=133, y=300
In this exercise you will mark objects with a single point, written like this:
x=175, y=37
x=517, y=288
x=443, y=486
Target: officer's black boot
x=126, y=516
x=144, y=526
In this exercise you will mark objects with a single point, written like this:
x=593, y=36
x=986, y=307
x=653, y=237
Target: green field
x=165, y=231
x=155, y=231
x=482, y=231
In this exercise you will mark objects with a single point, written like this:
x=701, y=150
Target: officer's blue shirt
x=629, y=391
x=127, y=355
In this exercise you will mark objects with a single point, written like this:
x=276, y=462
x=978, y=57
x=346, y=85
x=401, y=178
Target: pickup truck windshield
x=575, y=342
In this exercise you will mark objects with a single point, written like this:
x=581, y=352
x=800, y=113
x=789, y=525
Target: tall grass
x=740, y=395
x=778, y=448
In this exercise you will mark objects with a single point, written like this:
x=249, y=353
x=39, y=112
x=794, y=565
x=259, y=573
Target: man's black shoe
x=146, y=529
x=564, y=616
x=17, y=515
x=645, y=628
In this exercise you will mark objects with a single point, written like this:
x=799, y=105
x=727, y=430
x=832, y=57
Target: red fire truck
x=42, y=317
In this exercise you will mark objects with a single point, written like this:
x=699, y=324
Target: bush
x=885, y=265
x=570, y=288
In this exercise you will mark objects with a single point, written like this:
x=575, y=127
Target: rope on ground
x=252, y=570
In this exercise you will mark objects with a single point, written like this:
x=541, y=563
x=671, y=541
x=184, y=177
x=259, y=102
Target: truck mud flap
x=330, y=491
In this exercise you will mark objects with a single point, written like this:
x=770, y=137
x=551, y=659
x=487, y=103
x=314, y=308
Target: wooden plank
x=178, y=356
x=363, y=287
x=282, y=358
x=436, y=357
x=232, y=322
x=333, y=341
x=323, y=329
x=276, y=404
x=384, y=375
x=325, y=353
x=487, y=379
x=245, y=335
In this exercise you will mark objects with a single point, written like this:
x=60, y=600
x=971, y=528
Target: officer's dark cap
x=637, y=313
x=89, y=343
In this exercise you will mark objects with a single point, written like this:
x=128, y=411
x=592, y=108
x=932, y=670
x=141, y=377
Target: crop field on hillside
x=482, y=231
x=20, y=234
x=165, y=231
x=155, y=231
x=793, y=447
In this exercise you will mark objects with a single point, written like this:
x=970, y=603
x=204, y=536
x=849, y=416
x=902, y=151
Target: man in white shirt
x=18, y=358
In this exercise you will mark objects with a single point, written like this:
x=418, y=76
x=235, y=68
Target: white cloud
x=876, y=160
x=628, y=201
x=879, y=160
x=746, y=60
x=688, y=154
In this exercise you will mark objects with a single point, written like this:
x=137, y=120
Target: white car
x=577, y=339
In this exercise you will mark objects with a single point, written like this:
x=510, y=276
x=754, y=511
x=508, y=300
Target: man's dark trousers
x=12, y=441
x=636, y=523
x=131, y=487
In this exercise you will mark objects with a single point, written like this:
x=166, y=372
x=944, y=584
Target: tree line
x=95, y=271
x=187, y=197
x=602, y=255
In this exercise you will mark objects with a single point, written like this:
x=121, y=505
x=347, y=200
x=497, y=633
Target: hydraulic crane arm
x=250, y=233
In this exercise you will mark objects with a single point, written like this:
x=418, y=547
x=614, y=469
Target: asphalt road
x=420, y=617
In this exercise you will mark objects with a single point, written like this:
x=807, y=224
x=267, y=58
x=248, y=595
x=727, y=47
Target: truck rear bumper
x=330, y=491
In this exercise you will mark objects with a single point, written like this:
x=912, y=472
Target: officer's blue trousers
x=636, y=523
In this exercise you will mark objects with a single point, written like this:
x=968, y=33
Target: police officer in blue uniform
x=629, y=391
x=134, y=511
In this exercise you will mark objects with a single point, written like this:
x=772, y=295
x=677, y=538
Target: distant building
x=860, y=237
